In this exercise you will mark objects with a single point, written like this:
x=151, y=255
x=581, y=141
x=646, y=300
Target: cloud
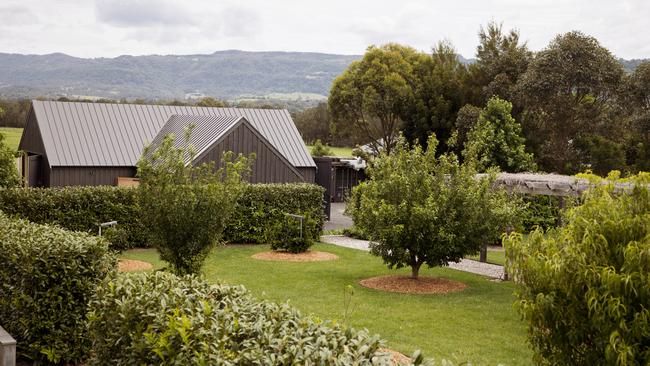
x=16, y=15
x=142, y=13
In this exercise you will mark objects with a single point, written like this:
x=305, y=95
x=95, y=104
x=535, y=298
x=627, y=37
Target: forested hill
x=223, y=74
x=231, y=75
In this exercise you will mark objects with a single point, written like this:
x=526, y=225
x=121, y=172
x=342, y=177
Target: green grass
x=341, y=152
x=12, y=136
x=493, y=256
x=478, y=324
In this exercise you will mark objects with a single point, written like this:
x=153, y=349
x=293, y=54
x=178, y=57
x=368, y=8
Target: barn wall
x=88, y=176
x=269, y=165
x=308, y=173
x=32, y=142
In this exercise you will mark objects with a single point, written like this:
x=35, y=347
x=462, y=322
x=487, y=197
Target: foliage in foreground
x=158, y=318
x=47, y=276
x=421, y=209
x=584, y=287
x=185, y=208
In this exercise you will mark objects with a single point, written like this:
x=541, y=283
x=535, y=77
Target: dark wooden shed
x=74, y=143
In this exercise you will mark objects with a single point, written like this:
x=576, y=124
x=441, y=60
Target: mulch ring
x=407, y=285
x=396, y=358
x=310, y=256
x=131, y=265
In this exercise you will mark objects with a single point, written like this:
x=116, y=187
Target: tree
x=439, y=94
x=186, y=207
x=9, y=176
x=211, y=102
x=583, y=288
x=638, y=102
x=569, y=90
x=495, y=141
x=421, y=209
x=465, y=120
x=374, y=95
x=500, y=60
x=314, y=123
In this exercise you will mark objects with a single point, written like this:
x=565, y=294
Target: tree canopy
x=419, y=208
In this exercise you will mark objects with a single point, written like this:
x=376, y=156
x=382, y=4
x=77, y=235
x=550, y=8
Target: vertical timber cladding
x=88, y=176
x=269, y=165
x=32, y=143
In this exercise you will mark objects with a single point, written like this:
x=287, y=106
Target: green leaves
x=584, y=287
x=495, y=140
x=421, y=209
x=154, y=318
x=185, y=208
x=47, y=276
x=8, y=173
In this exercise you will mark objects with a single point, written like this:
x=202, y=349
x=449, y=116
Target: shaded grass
x=12, y=136
x=493, y=256
x=341, y=152
x=477, y=325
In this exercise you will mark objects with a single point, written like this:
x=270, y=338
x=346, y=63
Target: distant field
x=341, y=152
x=12, y=136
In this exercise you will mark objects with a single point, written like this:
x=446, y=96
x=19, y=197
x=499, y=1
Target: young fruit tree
x=583, y=288
x=185, y=207
x=421, y=209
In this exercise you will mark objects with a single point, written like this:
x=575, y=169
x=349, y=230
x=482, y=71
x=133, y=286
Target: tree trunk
x=483, y=254
x=415, y=270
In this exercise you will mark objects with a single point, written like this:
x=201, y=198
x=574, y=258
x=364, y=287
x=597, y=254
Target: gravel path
x=467, y=265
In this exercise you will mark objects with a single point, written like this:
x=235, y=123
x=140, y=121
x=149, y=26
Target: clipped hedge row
x=159, y=318
x=47, y=277
x=262, y=208
x=259, y=210
x=78, y=208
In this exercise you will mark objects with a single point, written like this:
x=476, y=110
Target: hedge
x=47, y=276
x=159, y=318
x=261, y=208
x=77, y=208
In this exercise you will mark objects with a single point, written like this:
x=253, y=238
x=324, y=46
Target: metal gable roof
x=207, y=130
x=105, y=134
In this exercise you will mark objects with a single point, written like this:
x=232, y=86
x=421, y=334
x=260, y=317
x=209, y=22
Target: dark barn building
x=74, y=143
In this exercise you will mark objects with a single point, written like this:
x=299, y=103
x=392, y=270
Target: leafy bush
x=9, y=176
x=540, y=212
x=320, y=149
x=47, y=276
x=262, y=207
x=158, y=318
x=421, y=209
x=584, y=287
x=259, y=209
x=287, y=235
x=78, y=208
x=184, y=207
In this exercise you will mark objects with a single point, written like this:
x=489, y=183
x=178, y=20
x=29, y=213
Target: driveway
x=337, y=220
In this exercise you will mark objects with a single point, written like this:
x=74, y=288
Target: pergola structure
x=548, y=184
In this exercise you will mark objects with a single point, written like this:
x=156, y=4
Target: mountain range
x=231, y=75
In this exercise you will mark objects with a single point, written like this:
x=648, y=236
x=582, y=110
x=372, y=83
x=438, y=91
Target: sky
x=109, y=28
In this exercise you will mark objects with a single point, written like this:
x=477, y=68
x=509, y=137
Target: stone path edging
x=466, y=265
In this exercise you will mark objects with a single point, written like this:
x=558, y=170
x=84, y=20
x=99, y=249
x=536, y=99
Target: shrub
x=184, y=207
x=259, y=209
x=263, y=207
x=320, y=149
x=289, y=236
x=78, y=208
x=9, y=176
x=47, y=276
x=583, y=288
x=158, y=318
x=421, y=209
x=540, y=212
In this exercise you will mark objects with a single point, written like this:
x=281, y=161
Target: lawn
x=493, y=256
x=477, y=325
x=12, y=136
x=341, y=152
